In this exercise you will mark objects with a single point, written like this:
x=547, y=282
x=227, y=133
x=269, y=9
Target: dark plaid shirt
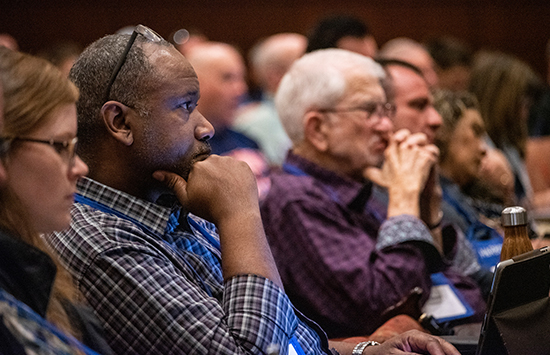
x=158, y=288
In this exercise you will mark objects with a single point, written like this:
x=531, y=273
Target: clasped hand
x=409, y=161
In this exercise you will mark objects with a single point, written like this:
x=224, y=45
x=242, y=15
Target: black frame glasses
x=59, y=146
x=381, y=109
x=139, y=30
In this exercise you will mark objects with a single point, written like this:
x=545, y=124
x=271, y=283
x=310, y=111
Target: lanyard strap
x=456, y=205
x=106, y=209
x=293, y=343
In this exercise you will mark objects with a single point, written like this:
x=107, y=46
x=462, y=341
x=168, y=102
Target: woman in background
x=506, y=88
x=462, y=146
x=39, y=173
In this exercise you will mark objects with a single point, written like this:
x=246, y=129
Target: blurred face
x=414, y=103
x=466, y=148
x=356, y=141
x=44, y=177
x=174, y=135
x=455, y=78
x=222, y=81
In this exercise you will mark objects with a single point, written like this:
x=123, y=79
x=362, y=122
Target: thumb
x=375, y=175
x=175, y=183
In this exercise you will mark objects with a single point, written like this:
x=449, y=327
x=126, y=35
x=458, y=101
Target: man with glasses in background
x=139, y=250
x=341, y=263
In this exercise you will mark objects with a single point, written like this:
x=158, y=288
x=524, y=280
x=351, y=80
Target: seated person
x=461, y=141
x=269, y=59
x=341, y=263
x=161, y=279
x=38, y=174
x=453, y=62
x=409, y=91
x=342, y=31
x=221, y=72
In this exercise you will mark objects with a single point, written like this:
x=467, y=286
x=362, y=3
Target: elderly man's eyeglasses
x=66, y=149
x=139, y=30
x=378, y=109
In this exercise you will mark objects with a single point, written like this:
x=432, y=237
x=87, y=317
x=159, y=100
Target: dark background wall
x=518, y=27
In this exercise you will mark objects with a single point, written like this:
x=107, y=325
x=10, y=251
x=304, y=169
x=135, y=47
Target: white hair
x=318, y=80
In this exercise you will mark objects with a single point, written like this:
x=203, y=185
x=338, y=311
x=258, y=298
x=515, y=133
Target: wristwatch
x=358, y=350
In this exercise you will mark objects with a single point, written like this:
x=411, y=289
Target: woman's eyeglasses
x=66, y=149
x=139, y=30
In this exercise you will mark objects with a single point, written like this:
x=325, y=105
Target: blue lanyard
x=106, y=209
x=456, y=205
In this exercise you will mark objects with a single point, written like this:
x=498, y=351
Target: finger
x=419, y=139
x=400, y=135
x=433, y=345
x=175, y=183
x=434, y=150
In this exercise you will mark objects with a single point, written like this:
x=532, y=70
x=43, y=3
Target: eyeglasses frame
x=139, y=30
x=69, y=145
x=388, y=107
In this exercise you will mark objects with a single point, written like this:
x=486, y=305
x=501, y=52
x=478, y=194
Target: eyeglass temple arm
x=120, y=64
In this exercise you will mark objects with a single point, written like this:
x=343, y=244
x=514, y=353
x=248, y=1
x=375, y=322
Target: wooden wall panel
x=522, y=28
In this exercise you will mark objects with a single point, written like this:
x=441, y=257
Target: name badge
x=446, y=303
x=294, y=347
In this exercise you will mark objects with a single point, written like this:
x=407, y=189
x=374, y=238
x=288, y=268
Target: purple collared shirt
x=341, y=263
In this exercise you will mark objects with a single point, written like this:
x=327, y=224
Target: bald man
x=270, y=59
x=221, y=72
x=411, y=51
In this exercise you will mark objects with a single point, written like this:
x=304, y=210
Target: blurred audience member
x=409, y=91
x=415, y=111
x=39, y=173
x=505, y=87
x=8, y=41
x=62, y=55
x=409, y=50
x=453, y=62
x=462, y=145
x=270, y=59
x=345, y=32
x=221, y=72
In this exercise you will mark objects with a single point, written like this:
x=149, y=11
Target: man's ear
x=315, y=130
x=115, y=117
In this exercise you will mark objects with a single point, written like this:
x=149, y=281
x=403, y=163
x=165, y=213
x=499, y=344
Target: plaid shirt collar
x=160, y=219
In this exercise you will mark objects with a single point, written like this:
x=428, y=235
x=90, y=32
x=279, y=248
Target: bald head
x=271, y=58
x=410, y=51
x=221, y=72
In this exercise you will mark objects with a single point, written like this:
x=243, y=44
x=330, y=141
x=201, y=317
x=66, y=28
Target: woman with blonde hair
x=39, y=173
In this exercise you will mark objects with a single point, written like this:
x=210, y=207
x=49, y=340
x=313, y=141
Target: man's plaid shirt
x=157, y=286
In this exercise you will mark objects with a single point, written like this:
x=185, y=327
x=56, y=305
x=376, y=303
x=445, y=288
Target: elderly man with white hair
x=341, y=264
